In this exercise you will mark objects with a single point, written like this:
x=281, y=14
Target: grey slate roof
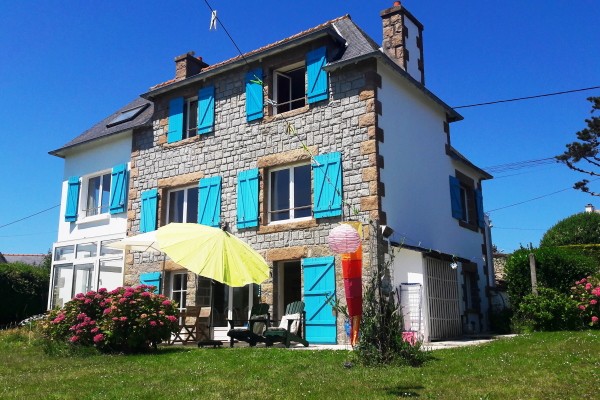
x=31, y=259
x=101, y=129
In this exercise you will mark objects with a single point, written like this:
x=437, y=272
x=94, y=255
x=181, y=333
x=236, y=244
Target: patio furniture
x=254, y=328
x=203, y=334
x=188, y=326
x=291, y=327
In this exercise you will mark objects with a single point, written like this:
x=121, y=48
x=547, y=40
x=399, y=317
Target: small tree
x=578, y=229
x=582, y=155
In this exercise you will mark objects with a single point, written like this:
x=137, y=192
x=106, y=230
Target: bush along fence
x=587, y=294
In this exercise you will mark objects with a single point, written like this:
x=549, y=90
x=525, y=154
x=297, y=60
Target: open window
x=190, y=117
x=289, y=88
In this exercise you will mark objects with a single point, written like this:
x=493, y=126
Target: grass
x=559, y=365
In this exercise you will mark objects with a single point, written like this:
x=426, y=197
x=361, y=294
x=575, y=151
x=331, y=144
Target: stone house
x=283, y=143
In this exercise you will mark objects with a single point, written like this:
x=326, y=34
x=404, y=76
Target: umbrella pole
x=162, y=289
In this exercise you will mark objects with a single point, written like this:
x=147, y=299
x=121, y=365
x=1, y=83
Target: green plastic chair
x=256, y=324
x=292, y=327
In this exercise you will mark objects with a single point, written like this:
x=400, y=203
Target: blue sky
x=68, y=64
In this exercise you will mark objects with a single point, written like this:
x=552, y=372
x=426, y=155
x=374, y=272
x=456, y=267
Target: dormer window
x=190, y=117
x=289, y=88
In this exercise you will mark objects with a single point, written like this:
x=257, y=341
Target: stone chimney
x=403, y=40
x=187, y=65
x=589, y=208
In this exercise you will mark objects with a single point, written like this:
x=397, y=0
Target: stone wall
x=346, y=123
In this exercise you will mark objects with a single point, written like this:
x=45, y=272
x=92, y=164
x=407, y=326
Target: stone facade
x=346, y=123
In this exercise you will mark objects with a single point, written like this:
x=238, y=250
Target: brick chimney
x=187, y=65
x=403, y=40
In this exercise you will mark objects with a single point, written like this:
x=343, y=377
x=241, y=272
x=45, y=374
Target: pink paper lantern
x=344, y=239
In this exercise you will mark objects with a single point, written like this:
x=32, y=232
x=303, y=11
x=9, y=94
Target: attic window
x=127, y=115
x=289, y=90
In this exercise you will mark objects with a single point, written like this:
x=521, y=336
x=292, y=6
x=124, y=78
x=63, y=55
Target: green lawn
x=563, y=365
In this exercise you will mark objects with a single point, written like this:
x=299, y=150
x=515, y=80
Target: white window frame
x=187, y=131
x=103, y=209
x=183, y=276
x=282, y=72
x=185, y=202
x=72, y=261
x=291, y=203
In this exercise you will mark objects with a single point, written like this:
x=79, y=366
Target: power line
x=226, y=31
x=528, y=97
x=520, y=165
x=535, y=198
x=29, y=216
x=520, y=229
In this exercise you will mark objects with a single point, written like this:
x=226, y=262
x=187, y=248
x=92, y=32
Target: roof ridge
x=265, y=47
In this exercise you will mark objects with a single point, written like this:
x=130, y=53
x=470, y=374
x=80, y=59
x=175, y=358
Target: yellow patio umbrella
x=212, y=253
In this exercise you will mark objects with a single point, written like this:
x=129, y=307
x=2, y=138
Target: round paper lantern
x=344, y=239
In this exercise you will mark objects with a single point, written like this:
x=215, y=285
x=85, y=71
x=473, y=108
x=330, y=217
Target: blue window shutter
x=118, y=189
x=317, y=76
x=247, y=199
x=148, y=210
x=72, y=199
x=479, y=202
x=254, y=95
x=209, y=201
x=175, y=120
x=151, y=278
x=327, y=185
x=455, y=198
x=206, y=109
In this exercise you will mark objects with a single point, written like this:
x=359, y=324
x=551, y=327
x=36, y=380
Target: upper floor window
x=190, y=118
x=183, y=205
x=289, y=88
x=466, y=201
x=290, y=193
x=98, y=195
x=101, y=193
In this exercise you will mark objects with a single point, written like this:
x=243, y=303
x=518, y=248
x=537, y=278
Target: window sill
x=182, y=142
x=287, y=114
x=93, y=218
x=469, y=226
x=288, y=226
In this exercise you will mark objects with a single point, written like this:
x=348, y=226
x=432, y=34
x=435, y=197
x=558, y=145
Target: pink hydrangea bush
x=587, y=294
x=126, y=319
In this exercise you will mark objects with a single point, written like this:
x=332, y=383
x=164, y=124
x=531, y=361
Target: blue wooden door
x=319, y=287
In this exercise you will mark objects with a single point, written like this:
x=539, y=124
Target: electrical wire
x=535, y=198
x=29, y=216
x=520, y=165
x=527, y=97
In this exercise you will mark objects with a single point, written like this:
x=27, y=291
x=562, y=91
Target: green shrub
x=23, y=291
x=586, y=293
x=127, y=319
x=500, y=320
x=556, y=268
x=578, y=229
x=550, y=310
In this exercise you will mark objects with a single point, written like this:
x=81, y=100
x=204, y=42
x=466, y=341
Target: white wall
x=415, y=174
x=417, y=194
x=412, y=66
x=102, y=156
